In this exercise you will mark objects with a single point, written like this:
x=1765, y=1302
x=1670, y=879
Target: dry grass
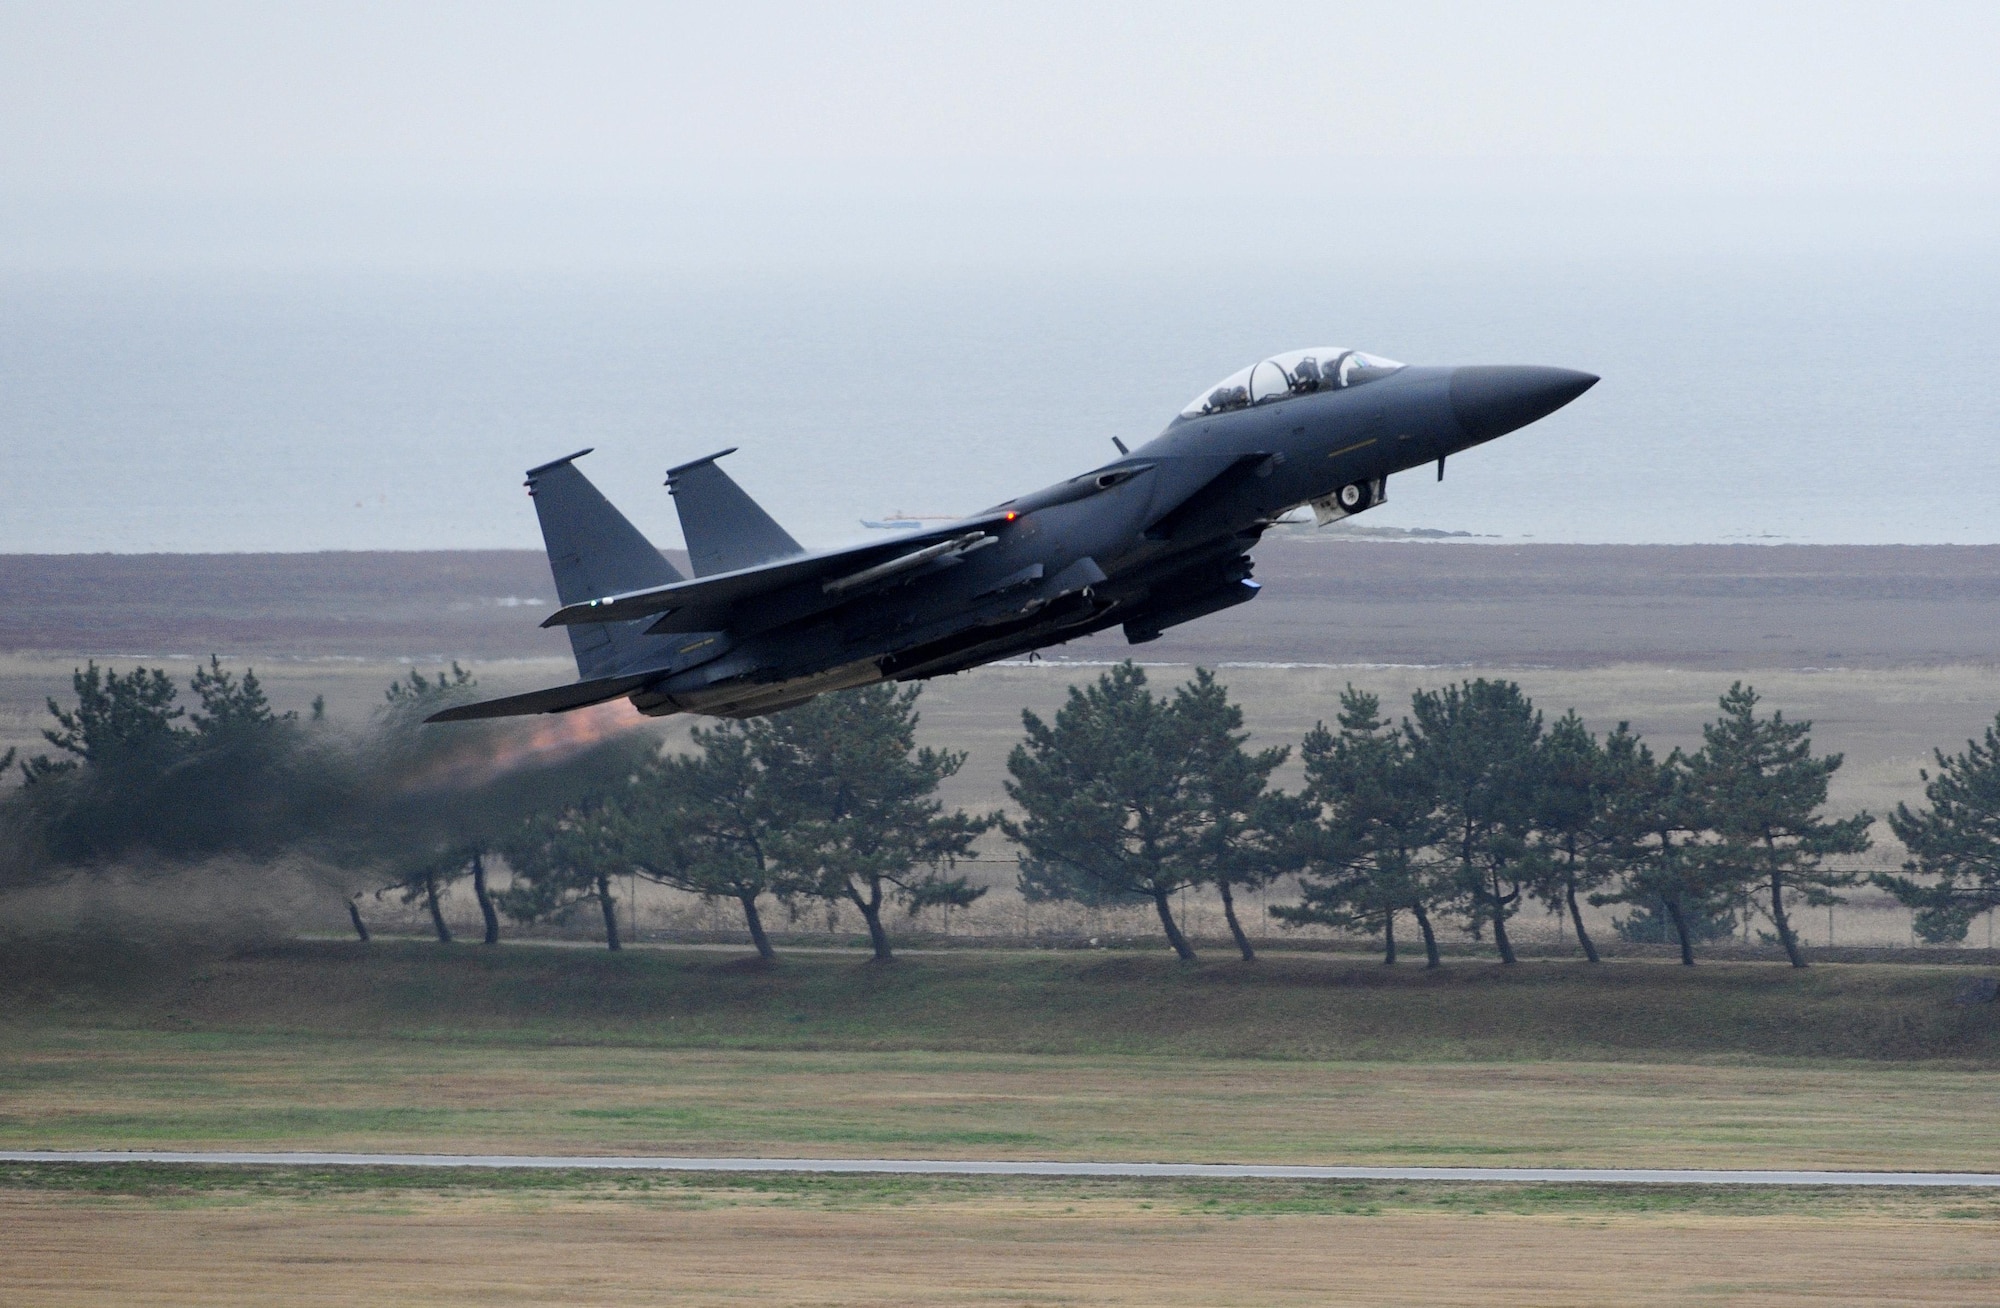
x=132, y=1090
x=1020, y=1246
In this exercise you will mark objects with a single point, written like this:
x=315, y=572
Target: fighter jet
x=1160, y=536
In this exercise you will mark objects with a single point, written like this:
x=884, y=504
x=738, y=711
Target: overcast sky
x=218, y=130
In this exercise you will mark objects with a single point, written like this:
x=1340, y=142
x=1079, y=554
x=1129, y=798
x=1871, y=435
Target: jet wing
x=556, y=699
x=1192, y=483
x=705, y=602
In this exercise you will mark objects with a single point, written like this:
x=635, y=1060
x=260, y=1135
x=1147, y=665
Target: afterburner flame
x=535, y=743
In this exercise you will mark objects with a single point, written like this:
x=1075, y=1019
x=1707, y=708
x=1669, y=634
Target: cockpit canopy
x=1299, y=372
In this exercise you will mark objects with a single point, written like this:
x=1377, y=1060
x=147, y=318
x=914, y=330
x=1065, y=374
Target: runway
x=981, y=1167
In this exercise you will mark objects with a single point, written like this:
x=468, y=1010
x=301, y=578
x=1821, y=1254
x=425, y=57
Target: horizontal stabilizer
x=725, y=529
x=556, y=699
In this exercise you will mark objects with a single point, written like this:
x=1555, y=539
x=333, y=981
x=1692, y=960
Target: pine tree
x=1654, y=849
x=431, y=691
x=444, y=801
x=1477, y=741
x=230, y=707
x=1246, y=831
x=1571, y=833
x=430, y=845
x=1131, y=796
x=141, y=774
x=1369, y=855
x=1760, y=789
x=563, y=859
x=863, y=824
x=1955, y=841
x=118, y=722
x=425, y=879
x=705, y=823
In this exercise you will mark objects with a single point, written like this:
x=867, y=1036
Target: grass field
x=182, y=1236
x=1081, y=1055
x=1100, y=1054
x=150, y=1090
x=1325, y=1059
x=1090, y=1002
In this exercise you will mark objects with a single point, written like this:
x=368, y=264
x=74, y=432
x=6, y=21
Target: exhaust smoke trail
x=467, y=764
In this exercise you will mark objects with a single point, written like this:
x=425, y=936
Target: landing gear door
x=1355, y=497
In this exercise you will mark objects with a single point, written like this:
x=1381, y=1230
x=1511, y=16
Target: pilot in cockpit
x=1299, y=372
x=1229, y=397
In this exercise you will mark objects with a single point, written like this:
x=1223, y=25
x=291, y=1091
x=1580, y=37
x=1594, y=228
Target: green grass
x=141, y=1089
x=409, y=1047
x=1301, y=1007
x=189, y=1184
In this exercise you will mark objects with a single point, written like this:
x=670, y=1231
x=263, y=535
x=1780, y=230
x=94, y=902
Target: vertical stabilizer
x=724, y=528
x=594, y=551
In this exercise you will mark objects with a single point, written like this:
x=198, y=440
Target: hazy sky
x=143, y=130
x=638, y=195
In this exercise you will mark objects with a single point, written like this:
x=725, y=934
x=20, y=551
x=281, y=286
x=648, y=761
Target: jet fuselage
x=1158, y=537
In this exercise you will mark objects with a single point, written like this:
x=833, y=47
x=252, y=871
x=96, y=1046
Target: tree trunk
x=610, y=907
x=1431, y=958
x=1576, y=920
x=354, y=916
x=1500, y=940
x=871, y=909
x=755, y=922
x=1679, y=920
x=1783, y=923
x=485, y=899
x=1389, y=938
x=1174, y=936
x=1235, y=927
x=437, y=914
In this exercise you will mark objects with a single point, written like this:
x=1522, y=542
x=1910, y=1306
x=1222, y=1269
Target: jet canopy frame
x=1295, y=372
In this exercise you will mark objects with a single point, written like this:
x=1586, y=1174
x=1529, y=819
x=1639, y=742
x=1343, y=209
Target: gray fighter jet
x=1160, y=536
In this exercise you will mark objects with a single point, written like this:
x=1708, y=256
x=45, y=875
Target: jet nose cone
x=1491, y=402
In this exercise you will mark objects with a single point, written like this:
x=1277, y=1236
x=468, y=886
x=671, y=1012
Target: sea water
x=1823, y=400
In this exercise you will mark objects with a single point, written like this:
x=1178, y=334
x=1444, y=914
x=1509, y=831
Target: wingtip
x=557, y=463
x=692, y=464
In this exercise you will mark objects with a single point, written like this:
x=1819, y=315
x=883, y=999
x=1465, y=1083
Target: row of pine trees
x=1456, y=817
x=1462, y=814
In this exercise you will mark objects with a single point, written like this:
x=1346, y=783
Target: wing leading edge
x=705, y=602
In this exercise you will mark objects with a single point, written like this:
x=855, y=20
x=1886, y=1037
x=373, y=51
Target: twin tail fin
x=725, y=529
x=594, y=550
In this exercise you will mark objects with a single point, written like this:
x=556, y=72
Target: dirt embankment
x=1325, y=600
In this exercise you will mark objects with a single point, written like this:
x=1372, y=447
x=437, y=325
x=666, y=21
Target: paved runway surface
x=975, y=1167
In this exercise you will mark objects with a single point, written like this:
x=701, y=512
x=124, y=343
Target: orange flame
x=546, y=740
